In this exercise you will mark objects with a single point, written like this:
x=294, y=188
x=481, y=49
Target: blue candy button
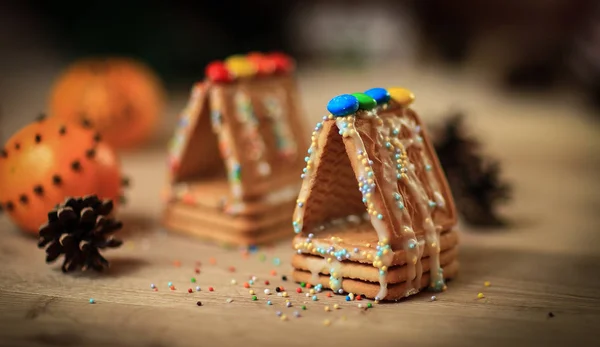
x=379, y=94
x=342, y=105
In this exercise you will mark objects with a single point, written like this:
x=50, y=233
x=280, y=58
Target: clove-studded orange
x=50, y=160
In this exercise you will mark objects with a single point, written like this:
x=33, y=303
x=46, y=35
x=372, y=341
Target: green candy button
x=365, y=102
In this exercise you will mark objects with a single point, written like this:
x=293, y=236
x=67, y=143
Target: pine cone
x=79, y=228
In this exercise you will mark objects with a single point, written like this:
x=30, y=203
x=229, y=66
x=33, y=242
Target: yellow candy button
x=240, y=66
x=402, y=96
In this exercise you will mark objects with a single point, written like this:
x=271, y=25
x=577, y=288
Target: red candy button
x=282, y=62
x=263, y=65
x=217, y=72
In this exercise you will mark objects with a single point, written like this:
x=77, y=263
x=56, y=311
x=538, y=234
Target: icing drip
x=228, y=153
x=394, y=160
x=425, y=205
x=315, y=266
x=286, y=146
x=250, y=131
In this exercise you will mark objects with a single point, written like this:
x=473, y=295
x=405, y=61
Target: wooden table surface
x=548, y=261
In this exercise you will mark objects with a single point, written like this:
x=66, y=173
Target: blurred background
x=526, y=73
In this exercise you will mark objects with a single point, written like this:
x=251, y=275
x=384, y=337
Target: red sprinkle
x=190, y=290
x=177, y=263
x=231, y=269
x=328, y=294
x=281, y=288
x=197, y=271
x=211, y=289
x=299, y=290
x=358, y=297
x=246, y=285
x=267, y=283
x=308, y=285
x=172, y=287
x=156, y=289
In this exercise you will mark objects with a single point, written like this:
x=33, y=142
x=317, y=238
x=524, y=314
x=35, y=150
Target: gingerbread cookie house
x=374, y=215
x=235, y=158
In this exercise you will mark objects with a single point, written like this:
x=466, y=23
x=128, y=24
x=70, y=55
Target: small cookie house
x=374, y=215
x=235, y=158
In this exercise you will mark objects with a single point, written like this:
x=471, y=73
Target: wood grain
x=548, y=261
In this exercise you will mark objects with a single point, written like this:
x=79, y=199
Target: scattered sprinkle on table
x=152, y=286
x=327, y=309
x=273, y=273
x=369, y=305
x=233, y=281
x=283, y=317
x=176, y=263
x=303, y=307
x=284, y=294
x=199, y=303
x=254, y=298
x=360, y=305
x=278, y=313
x=251, y=292
x=487, y=283
x=326, y=322
x=284, y=278
x=197, y=270
x=328, y=294
x=212, y=260
x=358, y=297
x=262, y=257
x=297, y=314
x=193, y=280
x=170, y=284
x=277, y=289
x=336, y=306
x=267, y=291
x=550, y=315
x=267, y=283
x=229, y=300
x=351, y=296
x=298, y=290
x=308, y=285
x=172, y=287
x=197, y=288
x=211, y=289
x=92, y=301
x=246, y=285
x=314, y=298
x=433, y=298
x=302, y=284
x=276, y=261
x=190, y=290
x=288, y=304
x=480, y=296
x=269, y=303
x=251, y=282
x=231, y=269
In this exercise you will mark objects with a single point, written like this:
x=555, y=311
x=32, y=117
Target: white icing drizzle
x=228, y=152
x=286, y=145
x=250, y=132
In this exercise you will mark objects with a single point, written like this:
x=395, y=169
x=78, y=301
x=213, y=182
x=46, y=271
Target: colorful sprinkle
x=92, y=301
x=231, y=269
x=298, y=290
x=314, y=298
x=229, y=300
x=246, y=285
x=276, y=261
x=297, y=314
x=251, y=292
x=170, y=284
x=254, y=298
x=369, y=305
x=358, y=297
x=267, y=283
x=336, y=306
x=327, y=309
x=197, y=270
x=302, y=284
x=487, y=283
x=284, y=278
x=212, y=260
x=267, y=291
x=284, y=294
x=198, y=288
x=480, y=296
x=283, y=317
x=233, y=281
x=433, y=298
x=199, y=303
x=278, y=313
x=193, y=280
x=269, y=303
x=326, y=322
x=304, y=307
x=211, y=289
x=153, y=286
x=288, y=304
x=273, y=273
x=190, y=290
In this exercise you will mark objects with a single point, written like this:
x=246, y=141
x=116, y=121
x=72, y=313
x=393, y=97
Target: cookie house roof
x=245, y=106
x=372, y=154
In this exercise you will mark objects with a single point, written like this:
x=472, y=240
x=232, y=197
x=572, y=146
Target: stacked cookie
x=374, y=215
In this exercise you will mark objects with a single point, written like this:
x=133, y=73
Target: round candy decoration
x=402, y=96
x=343, y=105
x=240, y=66
x=365, y=102
x=262, y=64
x=282, y=62
x=217, y=72
x=379, y=94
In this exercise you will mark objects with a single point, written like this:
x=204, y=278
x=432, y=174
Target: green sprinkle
x=304, y=307
x=302, y=284
x=254, y=298
x=369, y=305
x=262, y=257
x=365, y=102
x=193, y=280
